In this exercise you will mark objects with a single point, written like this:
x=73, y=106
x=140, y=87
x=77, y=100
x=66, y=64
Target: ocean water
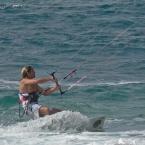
x=104, y=40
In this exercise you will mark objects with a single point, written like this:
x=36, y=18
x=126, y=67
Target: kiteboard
x=96, y=124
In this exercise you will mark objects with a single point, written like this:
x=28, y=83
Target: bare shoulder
x=28, y=81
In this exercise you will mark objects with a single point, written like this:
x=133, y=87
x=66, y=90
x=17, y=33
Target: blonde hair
x=25, y=71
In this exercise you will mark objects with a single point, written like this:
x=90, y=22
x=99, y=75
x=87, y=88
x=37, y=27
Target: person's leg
x=53, y=111
x=35, y=110
x=43, y=111
x=46, y=111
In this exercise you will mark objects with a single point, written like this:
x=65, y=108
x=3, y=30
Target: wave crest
x=62, y=121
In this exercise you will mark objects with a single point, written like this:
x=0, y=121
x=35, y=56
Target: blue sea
x=104, y=40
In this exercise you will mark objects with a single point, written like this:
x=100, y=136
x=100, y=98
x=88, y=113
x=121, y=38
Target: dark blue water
x=104, y=40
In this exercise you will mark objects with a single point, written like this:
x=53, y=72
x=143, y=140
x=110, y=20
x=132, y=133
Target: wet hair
x=25, y=71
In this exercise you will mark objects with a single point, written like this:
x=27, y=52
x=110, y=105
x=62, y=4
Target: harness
x=25, y=99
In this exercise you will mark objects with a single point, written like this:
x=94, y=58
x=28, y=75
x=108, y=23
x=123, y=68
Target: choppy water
x=104, y=40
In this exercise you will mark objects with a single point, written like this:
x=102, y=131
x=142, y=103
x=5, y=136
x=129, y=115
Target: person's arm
x=39, y=80
x=48, y=91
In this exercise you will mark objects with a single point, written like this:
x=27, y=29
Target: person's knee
x=43, y=111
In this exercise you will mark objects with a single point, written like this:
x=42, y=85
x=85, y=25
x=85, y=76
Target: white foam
x=122, y=141
x=12, y=136
x=108, y=83
x=65, y=121
x=8, y=5
x=59, y=122
x=8, y=85
x=16, y=5
x=62, y=121
x=8, y=82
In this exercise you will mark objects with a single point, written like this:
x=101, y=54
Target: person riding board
x=29, y=92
